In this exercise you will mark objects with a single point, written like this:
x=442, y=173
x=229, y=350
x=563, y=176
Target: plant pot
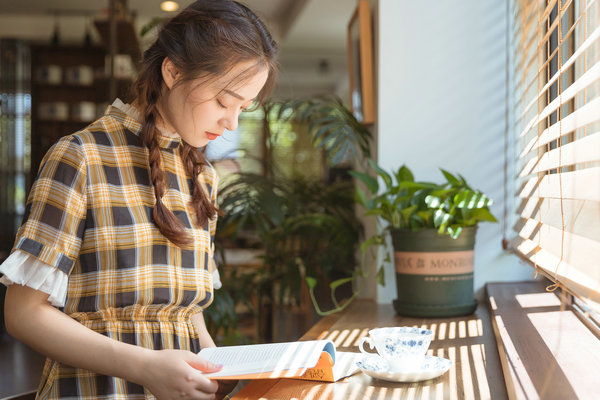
x=434, y=273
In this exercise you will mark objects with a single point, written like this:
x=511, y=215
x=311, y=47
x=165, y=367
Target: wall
x=441, y=103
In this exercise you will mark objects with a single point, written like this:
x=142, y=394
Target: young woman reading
x=113, y=263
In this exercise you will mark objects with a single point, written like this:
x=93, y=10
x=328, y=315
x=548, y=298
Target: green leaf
x=404, y=174
x=433, y=201
x=425, y=214
x=471, y=199
x=387, y=257
x=454, y=231
x=373, y=240
x=440, y=217
x=336, y=155
x=451, y=178
x=407, y=213
x=483, y=214
x=380, y=277
x=311, y=282
x=367, y=179
x=395, y=219
x=360, y=197
x=382, y=173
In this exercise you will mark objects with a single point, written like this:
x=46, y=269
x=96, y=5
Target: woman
x=119, y=226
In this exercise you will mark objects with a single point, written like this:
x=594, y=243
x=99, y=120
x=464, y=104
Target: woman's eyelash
x=221, y=104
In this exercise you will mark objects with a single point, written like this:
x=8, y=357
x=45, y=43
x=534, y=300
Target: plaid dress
x=89, y=214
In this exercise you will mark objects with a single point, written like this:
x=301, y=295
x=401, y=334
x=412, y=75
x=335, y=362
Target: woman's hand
x=178, y=374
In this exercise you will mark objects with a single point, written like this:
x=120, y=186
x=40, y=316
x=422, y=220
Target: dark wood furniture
x=46, y=131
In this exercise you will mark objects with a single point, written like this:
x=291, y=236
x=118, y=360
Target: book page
x=345, y=365
x=272, y=357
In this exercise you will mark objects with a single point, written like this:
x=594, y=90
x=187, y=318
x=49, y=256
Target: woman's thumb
x=203, y=365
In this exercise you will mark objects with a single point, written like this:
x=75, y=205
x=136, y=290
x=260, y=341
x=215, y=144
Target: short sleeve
x=24, y=269
x=54, y=221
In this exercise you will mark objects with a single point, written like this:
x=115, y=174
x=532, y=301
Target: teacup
x=403, y=347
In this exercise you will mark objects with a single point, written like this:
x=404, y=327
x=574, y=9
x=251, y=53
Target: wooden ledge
x=546, y=352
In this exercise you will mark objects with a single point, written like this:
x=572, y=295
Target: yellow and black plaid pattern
x=89, y=214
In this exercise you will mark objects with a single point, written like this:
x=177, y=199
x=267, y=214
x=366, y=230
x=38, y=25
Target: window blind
x=556, y=73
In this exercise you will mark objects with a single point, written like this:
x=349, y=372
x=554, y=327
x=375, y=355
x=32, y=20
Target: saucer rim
x=405, y=376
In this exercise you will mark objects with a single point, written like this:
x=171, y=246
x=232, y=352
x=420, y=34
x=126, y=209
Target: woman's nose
x=230, y=122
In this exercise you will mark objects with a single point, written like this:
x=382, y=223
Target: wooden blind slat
x=580, y=283
x=580, y=217
x=584, y=46
x=576, y=185
x=583, y=150
x=578, y=119
x=576, y=250
x=590, y=76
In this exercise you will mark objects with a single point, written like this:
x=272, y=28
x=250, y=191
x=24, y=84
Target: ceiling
x=311, y=33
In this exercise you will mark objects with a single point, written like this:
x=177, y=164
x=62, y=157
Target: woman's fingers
x=203, y=365
x=179, y=374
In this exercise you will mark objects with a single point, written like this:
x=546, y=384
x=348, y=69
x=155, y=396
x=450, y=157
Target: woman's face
x=200, y=112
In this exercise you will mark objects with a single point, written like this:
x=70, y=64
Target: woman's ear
x=170, y=73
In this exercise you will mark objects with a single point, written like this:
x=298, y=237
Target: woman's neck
x=162, y=125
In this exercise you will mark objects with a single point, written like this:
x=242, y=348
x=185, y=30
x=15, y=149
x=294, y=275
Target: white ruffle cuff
x=24, y=269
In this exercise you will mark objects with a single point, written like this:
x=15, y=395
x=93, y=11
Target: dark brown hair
x=204, y=41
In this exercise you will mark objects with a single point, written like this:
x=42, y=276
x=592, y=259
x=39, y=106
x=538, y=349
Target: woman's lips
x=211, y=136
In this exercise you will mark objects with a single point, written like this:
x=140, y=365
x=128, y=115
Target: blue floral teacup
x=402, y=347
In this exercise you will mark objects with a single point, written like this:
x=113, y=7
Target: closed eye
x=249, y=107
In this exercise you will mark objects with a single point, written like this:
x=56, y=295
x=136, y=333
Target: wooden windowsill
x=546, y=352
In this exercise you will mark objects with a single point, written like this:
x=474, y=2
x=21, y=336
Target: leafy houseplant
x=433, y=233
x=295, y=217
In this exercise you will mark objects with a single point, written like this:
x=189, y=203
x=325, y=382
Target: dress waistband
x=138, y=313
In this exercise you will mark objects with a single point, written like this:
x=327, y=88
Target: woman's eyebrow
x=234, y=94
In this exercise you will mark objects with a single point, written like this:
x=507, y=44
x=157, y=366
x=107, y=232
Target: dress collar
x=130, y=118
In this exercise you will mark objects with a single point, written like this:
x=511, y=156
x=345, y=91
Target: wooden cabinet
x=64, y=99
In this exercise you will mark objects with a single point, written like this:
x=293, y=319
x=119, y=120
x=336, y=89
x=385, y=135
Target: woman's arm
x=203, y=336
x=166, y=373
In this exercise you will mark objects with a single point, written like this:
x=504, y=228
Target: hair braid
x=168, y=224
x=194, y=162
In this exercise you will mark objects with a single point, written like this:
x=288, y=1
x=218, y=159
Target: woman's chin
x=197, y=142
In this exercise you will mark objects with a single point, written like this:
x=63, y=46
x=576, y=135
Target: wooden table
x=468, y=341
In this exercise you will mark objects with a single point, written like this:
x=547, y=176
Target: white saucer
x=377, y=367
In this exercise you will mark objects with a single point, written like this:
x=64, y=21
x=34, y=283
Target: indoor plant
x=294, y=217
x=432, y=227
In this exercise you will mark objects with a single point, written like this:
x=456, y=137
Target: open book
x=313, y=360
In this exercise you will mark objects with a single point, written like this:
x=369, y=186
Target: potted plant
x=432, y=227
